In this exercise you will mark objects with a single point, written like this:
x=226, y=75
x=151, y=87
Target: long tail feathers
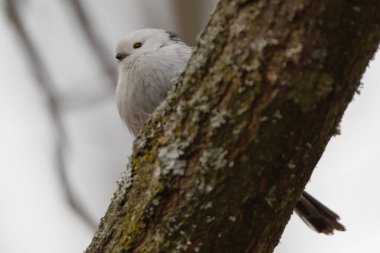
x=317, y=216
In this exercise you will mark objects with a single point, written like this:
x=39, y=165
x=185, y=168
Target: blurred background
x=63, y=146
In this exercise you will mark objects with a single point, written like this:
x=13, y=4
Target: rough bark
x=223, y=161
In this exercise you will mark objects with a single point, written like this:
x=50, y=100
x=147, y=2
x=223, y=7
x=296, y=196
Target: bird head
x=143, y=42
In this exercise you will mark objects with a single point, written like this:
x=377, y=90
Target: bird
x=148, y=61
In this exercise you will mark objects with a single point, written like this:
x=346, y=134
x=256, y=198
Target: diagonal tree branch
x=223, y=161
x=43, y=79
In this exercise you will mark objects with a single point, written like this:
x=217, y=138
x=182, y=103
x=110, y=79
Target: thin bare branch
x=189, y=16
x=94, y=40
x=44, y=81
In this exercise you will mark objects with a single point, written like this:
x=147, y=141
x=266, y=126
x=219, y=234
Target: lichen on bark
x=224, y=159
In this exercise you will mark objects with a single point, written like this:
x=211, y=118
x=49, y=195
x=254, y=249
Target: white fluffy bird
x=149, y=59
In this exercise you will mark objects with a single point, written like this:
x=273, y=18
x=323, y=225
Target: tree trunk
x=223, y=161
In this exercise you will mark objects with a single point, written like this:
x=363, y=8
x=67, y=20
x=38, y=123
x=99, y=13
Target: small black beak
x=121, y=56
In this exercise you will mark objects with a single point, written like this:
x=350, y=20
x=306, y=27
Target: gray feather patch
x=173, y=36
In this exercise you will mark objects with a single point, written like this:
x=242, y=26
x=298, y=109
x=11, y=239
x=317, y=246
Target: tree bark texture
x=223, y=161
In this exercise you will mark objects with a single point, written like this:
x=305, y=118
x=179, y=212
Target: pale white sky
x=33, y=210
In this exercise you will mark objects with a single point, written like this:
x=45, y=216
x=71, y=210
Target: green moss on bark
x=223, y=161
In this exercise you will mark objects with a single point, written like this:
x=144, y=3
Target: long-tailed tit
x=149, y=59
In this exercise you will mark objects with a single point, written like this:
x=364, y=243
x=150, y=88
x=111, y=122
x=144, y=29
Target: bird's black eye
x=137, y=45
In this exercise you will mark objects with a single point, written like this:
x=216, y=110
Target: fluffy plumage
x=146, y=73
x=148, y=61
